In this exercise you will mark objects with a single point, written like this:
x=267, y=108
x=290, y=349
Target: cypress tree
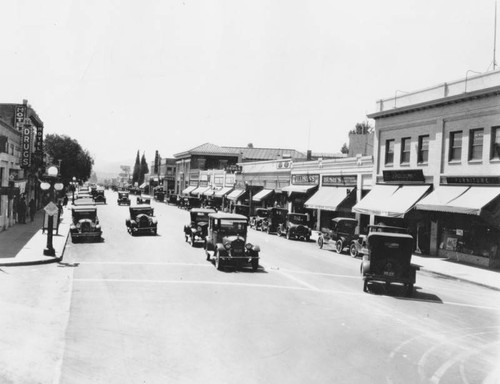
x=137, y=169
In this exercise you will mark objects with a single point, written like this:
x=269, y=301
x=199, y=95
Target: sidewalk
x=451, y=269
x=23, y=244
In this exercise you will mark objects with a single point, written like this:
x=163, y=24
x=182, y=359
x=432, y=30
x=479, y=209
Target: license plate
x=389, y=273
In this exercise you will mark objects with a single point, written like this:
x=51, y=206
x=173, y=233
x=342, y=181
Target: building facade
x=437, y=168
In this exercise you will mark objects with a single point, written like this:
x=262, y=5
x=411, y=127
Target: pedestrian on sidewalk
x=21, y=210
x=32, y=208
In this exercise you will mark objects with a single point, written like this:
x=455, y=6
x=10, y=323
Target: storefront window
x=476, y=144
x=455, y=152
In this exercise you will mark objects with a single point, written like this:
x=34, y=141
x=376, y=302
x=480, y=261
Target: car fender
x=365, y=267
x=127, y=222
x=221, y=250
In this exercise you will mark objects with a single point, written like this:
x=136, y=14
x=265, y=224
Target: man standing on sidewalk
x=32, y=208
x=21, y=210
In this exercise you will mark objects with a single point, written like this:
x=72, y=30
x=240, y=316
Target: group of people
x=23, y=209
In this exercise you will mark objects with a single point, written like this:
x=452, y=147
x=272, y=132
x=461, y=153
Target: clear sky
x=168, y=75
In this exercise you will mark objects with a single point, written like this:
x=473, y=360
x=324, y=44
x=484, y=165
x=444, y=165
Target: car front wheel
x=339, y=246
x=219, y=264
x=353, y=250
x=320, y=242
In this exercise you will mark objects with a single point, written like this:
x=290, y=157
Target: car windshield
x=347, y=226
x=200, y=217
x=262, y=213
x=297, y=219
x=148, y=212
x=233, y=227
x=121, y=195
x=80, y=215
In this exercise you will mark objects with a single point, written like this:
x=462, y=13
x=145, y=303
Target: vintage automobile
x=196, y=230
x=144, y=199
x=123, y=198
x=99, y=196
x=339, y=235
x=173, y=199
x=159, y=194
x=359, y=247
x=85, y=224
x=275, y=217
x=261, y=214
x=226, y=237
x=296, y=226
x=242, y=209
x=189, y=202
x=141, y=220
x=388, y=260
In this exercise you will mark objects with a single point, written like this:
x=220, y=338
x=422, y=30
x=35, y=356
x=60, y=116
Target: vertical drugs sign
x=26, y=144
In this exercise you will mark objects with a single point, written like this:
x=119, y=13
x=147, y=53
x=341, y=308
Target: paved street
x=153, y=310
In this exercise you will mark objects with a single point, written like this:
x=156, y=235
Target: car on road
x=261, y=214
x=173, y=199
x=340, y=234
x=359, y=246
x=227, y=239
x=275, y=218
x=144, y=199
x=388, y=260
x=159, y=194
x=196, y=230
x=296, y=226
x=99, y=196
x=142, y=220
x=123, y=198
x=85, y=224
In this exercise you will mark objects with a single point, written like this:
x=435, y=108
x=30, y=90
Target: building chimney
x=309, y=155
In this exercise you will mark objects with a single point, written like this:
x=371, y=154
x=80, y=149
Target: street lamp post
x=73, y=187
x=51, y=184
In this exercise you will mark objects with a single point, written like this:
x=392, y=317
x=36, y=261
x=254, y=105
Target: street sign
x=51, y=209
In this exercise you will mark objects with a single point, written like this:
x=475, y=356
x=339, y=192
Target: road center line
x=297, y=280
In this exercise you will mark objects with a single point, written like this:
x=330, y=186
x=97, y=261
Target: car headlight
x=154, y=221
x=198, y=229
x=227, y=245
x=249, y=246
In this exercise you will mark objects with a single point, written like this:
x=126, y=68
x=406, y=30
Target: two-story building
x=437, y=168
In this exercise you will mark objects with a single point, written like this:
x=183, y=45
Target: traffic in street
x=151, y=308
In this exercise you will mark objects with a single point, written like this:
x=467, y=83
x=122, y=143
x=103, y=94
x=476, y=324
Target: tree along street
x=152, y=309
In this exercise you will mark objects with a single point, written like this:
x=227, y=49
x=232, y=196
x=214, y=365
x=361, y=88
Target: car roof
x=389, y=235
x=83, y=208
x=145, y=196
x=202, y=210
x=337, y=219
x=224, y=215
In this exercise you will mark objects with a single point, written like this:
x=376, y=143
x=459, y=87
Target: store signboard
x=305, y=179
x=480, y=180
x=404, y=175
x=21, y=112
x=284, y=164
x=339, y=180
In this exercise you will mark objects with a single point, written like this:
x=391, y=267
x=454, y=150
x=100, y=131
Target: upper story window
x=389, y=152
x=455, y=150
x=476, y=144
x=495, y=143
x=423, y=149
x=405, y=150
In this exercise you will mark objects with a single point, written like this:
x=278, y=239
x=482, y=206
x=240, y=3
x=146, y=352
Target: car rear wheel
x=320, y=242
x=192, y=241
x=353, y=250
x=339, y=246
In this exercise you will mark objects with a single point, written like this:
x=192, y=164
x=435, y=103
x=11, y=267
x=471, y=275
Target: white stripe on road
x=144, y=263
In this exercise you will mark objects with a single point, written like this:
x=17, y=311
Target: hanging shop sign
x=479, y=180
x=26, y=146
x=404, y=175
x=339, y=180
x=21, y=112
x=305, y=179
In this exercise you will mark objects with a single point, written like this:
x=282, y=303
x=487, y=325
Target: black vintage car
x=296, y=226
x=242, y=209
x=85, y=224
x=123, y=198
x=197, y=228
x=275, y=217
x=144, y=199
x=159, y=194
x=141, y=220
x=173, y=199
x=226, y=238
x=261, y=214
x=339, y=235
x=99, y=196
x=359, y=247
x=388, y=260
x=189, y=202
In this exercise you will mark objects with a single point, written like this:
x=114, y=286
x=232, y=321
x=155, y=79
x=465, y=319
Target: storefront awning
x=223, y=192
x=391, y=200
x=298, y=188
x=262, y=195
x=235, y=195
x=208, y=192
x=143, y=185
x=200, y=190
x=439, y=199
x=188, y=190
x=329, y=198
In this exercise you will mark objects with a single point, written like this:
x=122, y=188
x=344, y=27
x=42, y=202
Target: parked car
x=85, y=224
x=144, y=199
x=99, y=196
x=159, y=194
x=189, y=202
x=260, y=215
x=296, y=226
x=196, y=230
x=123, y=198
x=173, y=199
x=275, y=217
x=227, y=239
x=339, y=235
x=388, y=260
x=242, y=209
x=141, y=220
